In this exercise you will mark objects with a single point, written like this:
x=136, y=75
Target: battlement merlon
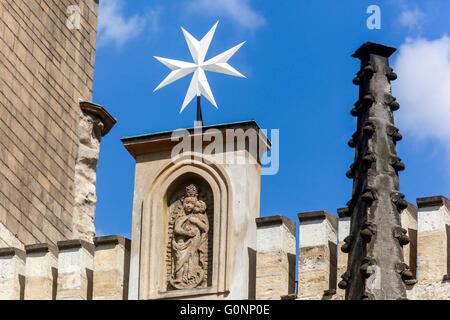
x=317, y=261
x=433, y=232
x=276, y=255
x=103, y=271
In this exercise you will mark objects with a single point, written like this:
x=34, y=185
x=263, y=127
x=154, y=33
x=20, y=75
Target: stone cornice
x=318, y=215
x=114, y=239
x=99, y=111
x=41, y=248
x=76, y=244
x=11, y=251
x=435, y=201
x=148, y=143
x=373, y=48
x=277, y=220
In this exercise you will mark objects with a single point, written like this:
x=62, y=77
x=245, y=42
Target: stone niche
x=193, y=230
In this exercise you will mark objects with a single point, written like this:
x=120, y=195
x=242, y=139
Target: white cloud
x=412, y=19
x=423, y=88
x=114, y=27
x=238, y=10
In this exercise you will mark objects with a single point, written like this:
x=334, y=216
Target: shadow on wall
x=251, y=274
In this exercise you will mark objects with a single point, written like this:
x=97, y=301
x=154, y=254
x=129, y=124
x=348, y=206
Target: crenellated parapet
x=424, y=237
x=74, y=270
x=80, y=270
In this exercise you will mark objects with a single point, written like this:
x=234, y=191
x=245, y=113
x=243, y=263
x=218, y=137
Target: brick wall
x=44, y=69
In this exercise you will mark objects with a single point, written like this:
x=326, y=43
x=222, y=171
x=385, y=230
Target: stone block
x=75, y=270
x=111, y=268
x=433, y=239
x=276, y=254
x=12, y=274
x=41, y=272
x=317, y=261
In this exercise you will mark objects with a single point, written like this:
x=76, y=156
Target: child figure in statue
x=189, y=245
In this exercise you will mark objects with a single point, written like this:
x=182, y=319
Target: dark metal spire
x=376, y=269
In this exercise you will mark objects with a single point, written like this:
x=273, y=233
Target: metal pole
x=199, y=121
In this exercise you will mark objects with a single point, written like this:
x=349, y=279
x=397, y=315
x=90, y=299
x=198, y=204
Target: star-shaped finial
x=199, y=84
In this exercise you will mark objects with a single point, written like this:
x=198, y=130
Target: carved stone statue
x=189, y=242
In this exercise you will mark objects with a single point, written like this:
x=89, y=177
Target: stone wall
x=45, y=67
x=427, y=252
x=77, y=269
x=74, y=270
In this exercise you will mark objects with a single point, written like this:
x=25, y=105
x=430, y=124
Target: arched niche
x=190, y=231
x=155, y=233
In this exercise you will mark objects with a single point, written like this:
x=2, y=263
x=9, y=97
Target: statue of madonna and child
x=190, y=242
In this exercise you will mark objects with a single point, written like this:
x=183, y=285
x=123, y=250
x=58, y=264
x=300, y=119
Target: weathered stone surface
x=276, y=254
x=45, y=68
x=433, y=236
x=12, y=270
x=41, y=272
x=236, y=190
x=409, y=223
x=7, y=239
x=343, y=233
x=111, y=268
x=430, y=291
x=75, y=270
x=376, y=202
x=188, y=248
x=317, y=261
x=94, y=123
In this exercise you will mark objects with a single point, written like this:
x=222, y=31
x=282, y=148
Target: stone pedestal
x=111, y=268
x=433, y=239
x=317, y=261
x=41, y=272
x=196, y=189
x=75, y=270
x=12, y=271
x=276, y=254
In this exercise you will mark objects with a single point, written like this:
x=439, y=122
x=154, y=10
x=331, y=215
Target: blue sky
x=299, y=70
